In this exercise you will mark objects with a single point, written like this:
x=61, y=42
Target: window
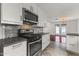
x=63, y=29
x=57, y=29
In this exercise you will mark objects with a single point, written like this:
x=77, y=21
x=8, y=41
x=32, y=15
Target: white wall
x=71, y=26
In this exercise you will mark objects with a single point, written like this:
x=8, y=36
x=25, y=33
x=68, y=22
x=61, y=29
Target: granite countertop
x=9, y=41
x=43, y=33
x=1, y=47
x=14, y=40
x=34, y=33
x=31, y=35
x=73, y=34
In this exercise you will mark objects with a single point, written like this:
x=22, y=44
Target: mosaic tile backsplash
x=10, y=31
x=1, y=32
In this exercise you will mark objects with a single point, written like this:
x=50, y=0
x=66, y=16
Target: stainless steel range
x=34, y=46
x=34, y=42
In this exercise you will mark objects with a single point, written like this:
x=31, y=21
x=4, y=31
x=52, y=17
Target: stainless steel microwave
x=28, y=16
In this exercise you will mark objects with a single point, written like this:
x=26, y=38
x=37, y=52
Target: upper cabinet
x=11, y=13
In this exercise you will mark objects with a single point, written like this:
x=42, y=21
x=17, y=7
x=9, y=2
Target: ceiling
x=60, y=9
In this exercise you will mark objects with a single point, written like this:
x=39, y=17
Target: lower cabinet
x=78, y=44
x=44, y=45
x=72, y=47
x=72, y=43
x=45, y=41
x=18, y=49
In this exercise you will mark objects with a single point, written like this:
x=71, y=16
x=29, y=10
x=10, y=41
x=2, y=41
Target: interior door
x=61, y=33
x=57, y=37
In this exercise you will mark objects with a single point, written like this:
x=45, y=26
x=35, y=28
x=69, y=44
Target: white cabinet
x=18, y=49
x=78, y=44
x=44, y=45
x=1, y=32
x=11, y=13
x=45, y=38
x=45, y=41
x=24, y=5
x=72, y=42
x=31, y=7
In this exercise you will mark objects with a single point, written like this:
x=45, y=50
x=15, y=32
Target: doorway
x=60, y=33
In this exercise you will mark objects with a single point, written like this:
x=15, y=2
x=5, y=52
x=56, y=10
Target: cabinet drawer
x=18, y=49
x=72, y=39
x=72, y=47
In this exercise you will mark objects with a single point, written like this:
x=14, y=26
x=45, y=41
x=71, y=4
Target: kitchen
x=28, y=29
x=21, y=35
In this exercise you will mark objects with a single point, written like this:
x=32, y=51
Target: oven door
x=34, y=48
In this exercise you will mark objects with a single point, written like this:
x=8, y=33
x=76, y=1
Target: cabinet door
x=11, y=13
x=24, y=5
x=45, y=41
x=34, y=8
x=72, y=43
x=18, y=49
x=1, y=32
x=78, y=44
x=72, y=39
x=31, y=7
x=44, y=45
x=72, y=47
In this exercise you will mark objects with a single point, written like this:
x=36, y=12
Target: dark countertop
x=31, y=35
x=34, y=33
x=14, y=40
x=1, y=47
x=9, y=41
x=73, y=34
x=44, y=33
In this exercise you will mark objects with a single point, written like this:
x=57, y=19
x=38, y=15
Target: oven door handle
x=34, y=41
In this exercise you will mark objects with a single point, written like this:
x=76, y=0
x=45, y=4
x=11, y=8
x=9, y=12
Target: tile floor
x=56, y=49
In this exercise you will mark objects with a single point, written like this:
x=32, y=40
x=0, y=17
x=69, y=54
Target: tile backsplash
x=10, y=31
x=1, y=32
